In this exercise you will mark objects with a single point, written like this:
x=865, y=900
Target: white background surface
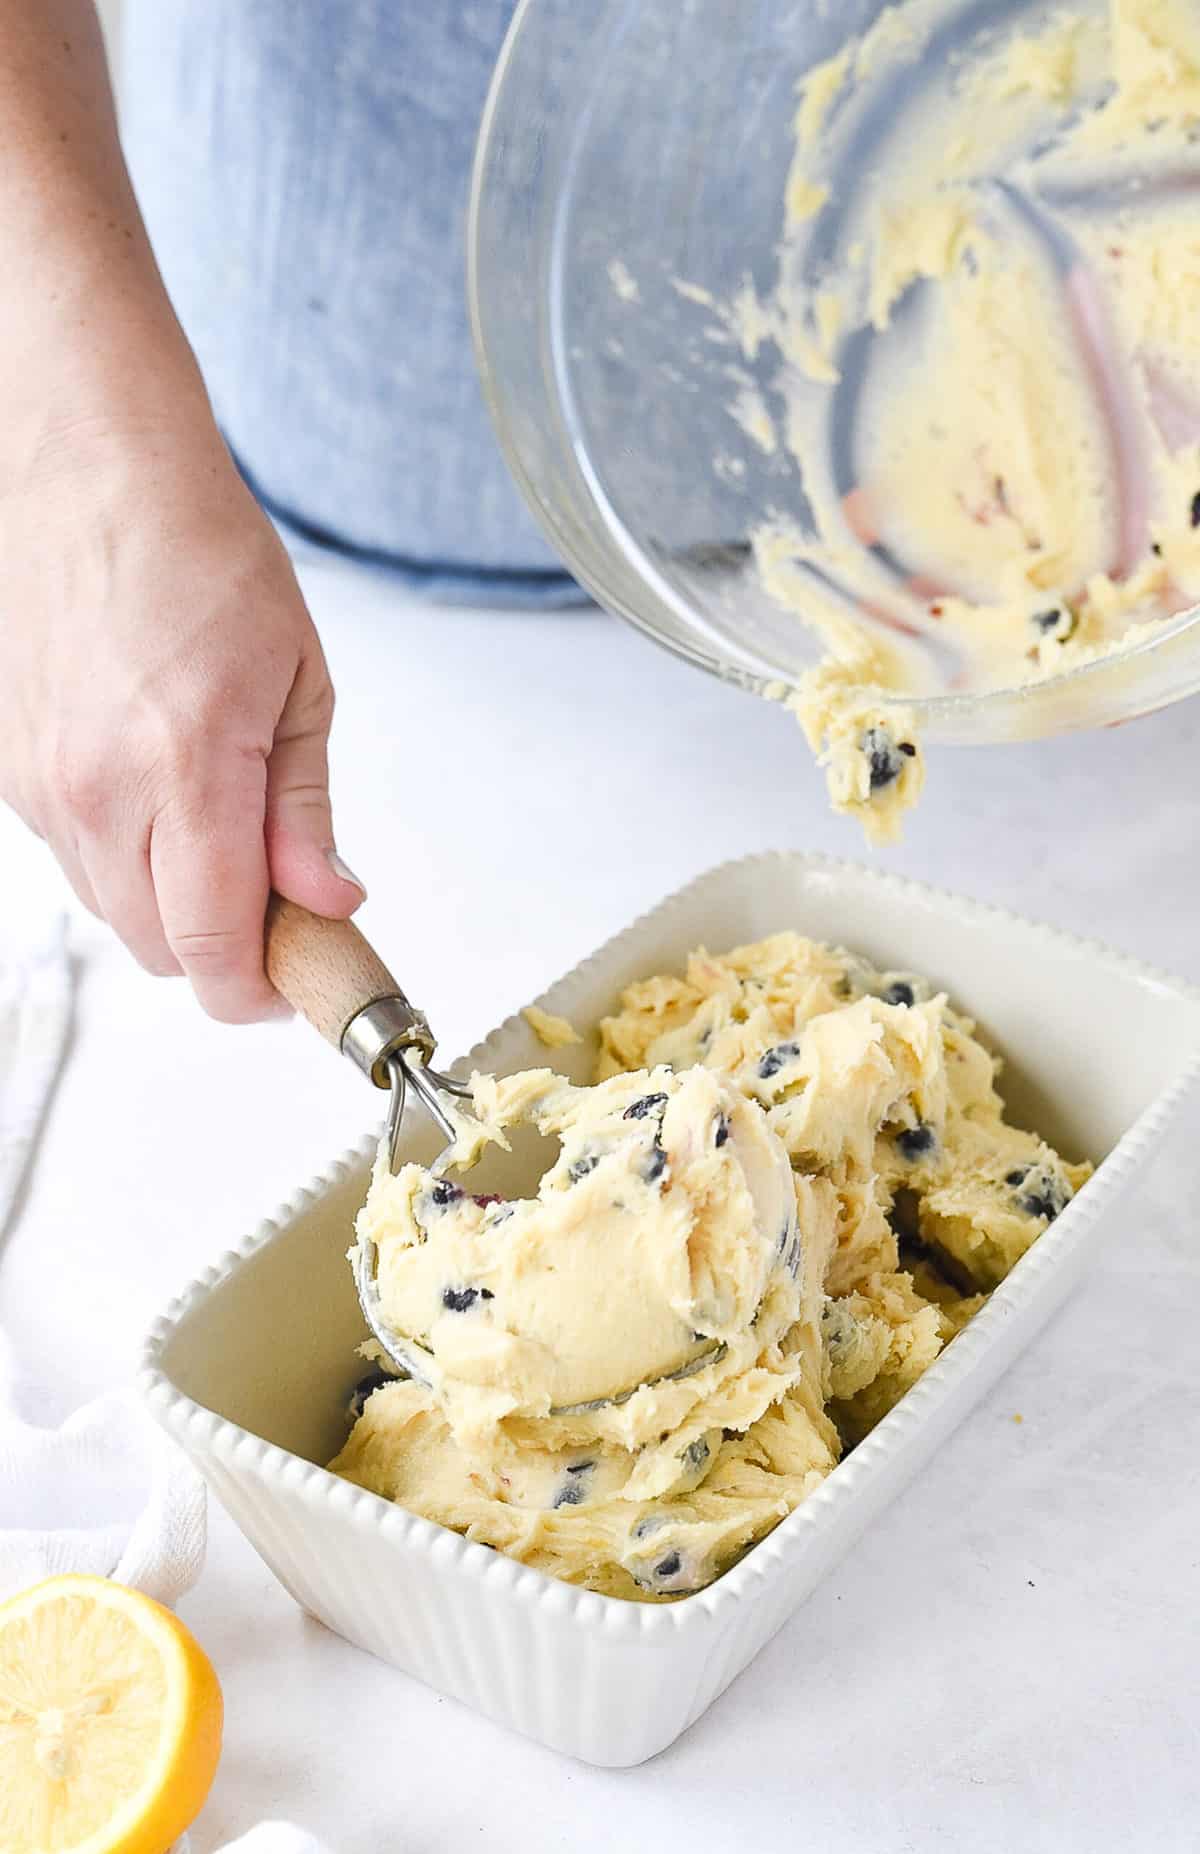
x=1009, y=1658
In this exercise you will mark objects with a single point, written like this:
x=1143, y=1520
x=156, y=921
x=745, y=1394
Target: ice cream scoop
x=650, y=1245
x=646, y=1249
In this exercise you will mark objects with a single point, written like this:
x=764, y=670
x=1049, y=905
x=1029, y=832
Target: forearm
x=88, y=338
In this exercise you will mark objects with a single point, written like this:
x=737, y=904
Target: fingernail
x=343, y=871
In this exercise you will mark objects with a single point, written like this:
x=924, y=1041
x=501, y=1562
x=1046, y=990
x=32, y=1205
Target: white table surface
x=1009, y=1658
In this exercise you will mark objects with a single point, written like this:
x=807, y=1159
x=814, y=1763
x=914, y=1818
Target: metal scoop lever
x=424, y=1083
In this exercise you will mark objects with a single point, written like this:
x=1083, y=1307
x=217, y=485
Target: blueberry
x=673, y=1571
x=655, y=1165
x=647, y=1105
x=1194, y=511
x=573, y=1491
x=1039, y=1190
x=1056, y=621
x=722, y=1133
x=696, y=1454
x=837, y=1326
x=579, y=1168
x=915, y=1142
x=364, y=1389
x=444, y=1193
x=775, y=1059
x=884, y=756
x=458, y=1300
x=1044, y=1195
x=899, y=993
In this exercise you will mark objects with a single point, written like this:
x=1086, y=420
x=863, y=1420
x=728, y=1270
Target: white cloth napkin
x=107, y=1492
x=267, y=1838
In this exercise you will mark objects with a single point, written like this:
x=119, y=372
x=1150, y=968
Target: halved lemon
x=110, y=1721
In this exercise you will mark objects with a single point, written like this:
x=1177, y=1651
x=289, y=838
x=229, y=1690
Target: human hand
x=164, y=700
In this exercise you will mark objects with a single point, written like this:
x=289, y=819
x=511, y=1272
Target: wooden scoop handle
x=325, y=969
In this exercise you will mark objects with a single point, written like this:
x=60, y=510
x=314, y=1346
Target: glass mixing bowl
x=629, y=146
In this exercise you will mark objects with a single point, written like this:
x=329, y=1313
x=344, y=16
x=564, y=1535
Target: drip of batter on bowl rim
x=996, y=301
x=789, y=1187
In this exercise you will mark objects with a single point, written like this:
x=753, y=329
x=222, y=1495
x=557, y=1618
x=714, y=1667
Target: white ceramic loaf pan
x=251, y=1368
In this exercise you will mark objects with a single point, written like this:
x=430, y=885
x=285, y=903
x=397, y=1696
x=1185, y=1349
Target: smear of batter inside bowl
x=988, y=316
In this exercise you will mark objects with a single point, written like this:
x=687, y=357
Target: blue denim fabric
x=303, y=170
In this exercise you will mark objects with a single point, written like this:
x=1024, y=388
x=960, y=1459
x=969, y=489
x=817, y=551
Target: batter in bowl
x=789, y=1187
x=987, y=318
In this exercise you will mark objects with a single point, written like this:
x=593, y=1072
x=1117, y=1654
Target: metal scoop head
x=331, y=975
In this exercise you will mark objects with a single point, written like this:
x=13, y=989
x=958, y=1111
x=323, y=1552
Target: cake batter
x=790, y=1186
x=988, y=318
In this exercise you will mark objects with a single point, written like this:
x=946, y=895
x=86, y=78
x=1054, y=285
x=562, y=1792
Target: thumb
x=302, y=860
